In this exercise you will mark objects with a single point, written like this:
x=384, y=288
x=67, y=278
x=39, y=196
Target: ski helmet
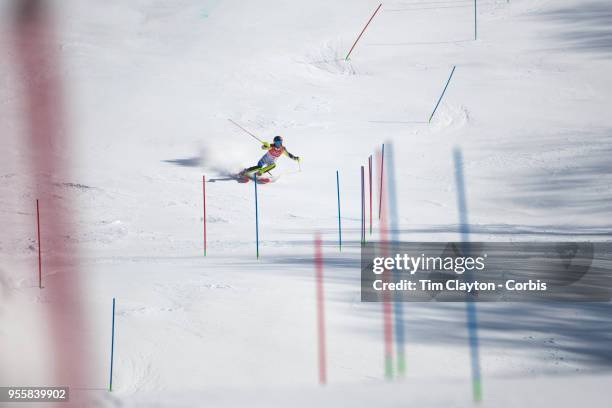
x=278, y=141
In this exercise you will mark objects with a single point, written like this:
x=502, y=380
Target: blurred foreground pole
x=320, y=310
x=35, y=51
x=398, y=306
x=472, y=321
x=387, y=306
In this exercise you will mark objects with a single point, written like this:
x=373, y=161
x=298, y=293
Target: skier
x=268, y=160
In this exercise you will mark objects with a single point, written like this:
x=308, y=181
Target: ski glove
x=266, y=145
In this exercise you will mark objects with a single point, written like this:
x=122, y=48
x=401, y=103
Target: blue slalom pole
x=110, y=387
x=339, y=222
x=472, y=321
x=442, y=95
x=256, y=219
x=394, y=223
x=461, y=200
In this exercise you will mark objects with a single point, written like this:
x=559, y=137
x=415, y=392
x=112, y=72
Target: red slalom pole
x=204, y=207
x=320, y=310
x=382, y=171
x=362, y=31
x=39, y=250
x=370, y=179
x=363, y=213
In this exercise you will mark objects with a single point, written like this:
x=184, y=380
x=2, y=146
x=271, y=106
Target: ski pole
x=246, y=131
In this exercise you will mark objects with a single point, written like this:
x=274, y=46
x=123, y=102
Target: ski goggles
x=278, y=143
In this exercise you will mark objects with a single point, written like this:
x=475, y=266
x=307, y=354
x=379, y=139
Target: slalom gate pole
x=39, y=249
x=387, y=300
x=256, y=219
x=475, y=22
x=472, y=321
x=442, y=95
x=339, y=221
x=362, y=31
x=320, y=310
x=394, y=227
x=29, y=45
x=204, y=208
x=363, y=221
x=370, y=184
x=246, y=131
x=382, y=170
x=110, y=386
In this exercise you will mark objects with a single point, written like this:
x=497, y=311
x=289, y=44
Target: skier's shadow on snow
x=195, y=161
x=227, y=178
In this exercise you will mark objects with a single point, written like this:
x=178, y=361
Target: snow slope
x=149, y=86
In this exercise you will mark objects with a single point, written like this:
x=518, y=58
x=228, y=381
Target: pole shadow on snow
x=564, y=337
x=572, y=177
x=499, y=230
x=513, y=231
x=585, y=28
x=569, y=336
